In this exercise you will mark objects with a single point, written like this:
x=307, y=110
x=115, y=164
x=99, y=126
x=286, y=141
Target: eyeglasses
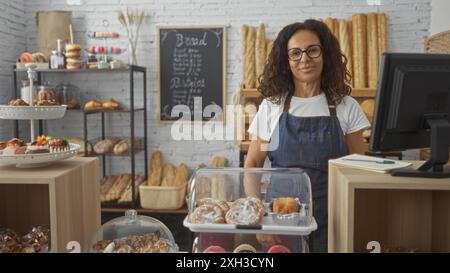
x=313, y=51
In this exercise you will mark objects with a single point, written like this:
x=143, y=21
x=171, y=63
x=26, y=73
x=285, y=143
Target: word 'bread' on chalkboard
x=192, y=69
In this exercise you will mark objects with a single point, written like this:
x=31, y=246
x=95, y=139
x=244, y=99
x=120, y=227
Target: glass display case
x=133, y=233
x=250, y=210
x=69, y=95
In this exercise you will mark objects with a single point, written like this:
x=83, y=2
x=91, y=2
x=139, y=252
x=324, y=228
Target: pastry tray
x=268, y=226
x=32, y=112
x=38, y=160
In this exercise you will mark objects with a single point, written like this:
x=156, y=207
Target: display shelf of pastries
x=218, y=205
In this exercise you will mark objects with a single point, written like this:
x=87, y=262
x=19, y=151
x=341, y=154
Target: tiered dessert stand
x=33, y=113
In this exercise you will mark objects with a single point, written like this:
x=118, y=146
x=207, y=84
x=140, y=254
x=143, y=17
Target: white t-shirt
x=349, y=113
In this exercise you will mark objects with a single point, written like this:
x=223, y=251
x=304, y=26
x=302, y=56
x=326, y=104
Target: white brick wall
x=12, y=42
x=408, y=25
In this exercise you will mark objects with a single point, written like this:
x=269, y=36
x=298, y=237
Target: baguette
x=127, y=195
x=359, y=29
x=156, y=160
x=382, y=33
x=345, y=40
x=372, y=50
x=168, y=176
x=181, y=175
x=155, y=177
x=106, y=186
x=260, y=51
x=119, y=186
x=250, y=70
x=269, y=46
x=244, y=33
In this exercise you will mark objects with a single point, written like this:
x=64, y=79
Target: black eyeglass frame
x=305, y=51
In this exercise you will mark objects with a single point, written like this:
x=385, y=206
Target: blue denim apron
x=308, y=143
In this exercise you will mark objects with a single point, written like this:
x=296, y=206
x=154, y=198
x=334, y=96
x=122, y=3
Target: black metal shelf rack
x=132, y=112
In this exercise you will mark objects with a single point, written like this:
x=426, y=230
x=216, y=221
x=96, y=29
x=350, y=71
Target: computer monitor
x=412, y=109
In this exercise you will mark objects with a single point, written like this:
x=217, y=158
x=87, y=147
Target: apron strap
x=287, y=104
x=332, y=109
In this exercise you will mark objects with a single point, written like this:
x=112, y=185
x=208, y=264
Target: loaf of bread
x=181, y=175
x=93, y=105
x=111, y=105
x=105, y=146
x=249, y=57
x=219, y=162
x=117, y=189
x=124, y=146
x=156, y=160
x=269, y=46
x=168, y=176
x=155, y=177
x=106, y=185
x=244, y=33
x=260, y=51
x=359, y=31
x=368, y=107
x=372, y=50
x=345, y=41
x=127, y=195
x=382, y=33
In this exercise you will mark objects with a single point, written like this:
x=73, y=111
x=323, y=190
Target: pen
x=373, y=161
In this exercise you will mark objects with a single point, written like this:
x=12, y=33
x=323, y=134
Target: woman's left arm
x=355, y=142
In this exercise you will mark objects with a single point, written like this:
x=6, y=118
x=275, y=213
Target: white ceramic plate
x=38, y=160
x=32, y=112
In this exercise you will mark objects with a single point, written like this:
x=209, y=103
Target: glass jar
x=69, y=95
x=133, y=233
x=25, y=90
x=47, y=95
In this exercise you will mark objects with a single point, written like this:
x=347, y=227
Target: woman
x=307, y=116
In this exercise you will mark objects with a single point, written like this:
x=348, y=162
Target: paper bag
x=51, y=26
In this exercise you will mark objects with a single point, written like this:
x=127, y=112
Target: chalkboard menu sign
x=192, y=73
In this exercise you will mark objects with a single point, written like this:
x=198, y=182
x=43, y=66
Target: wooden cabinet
x=64, y=196
x=394, y=211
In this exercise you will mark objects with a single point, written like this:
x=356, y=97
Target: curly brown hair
x=276, y=80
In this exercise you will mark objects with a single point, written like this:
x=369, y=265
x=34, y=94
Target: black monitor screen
x=412, y=88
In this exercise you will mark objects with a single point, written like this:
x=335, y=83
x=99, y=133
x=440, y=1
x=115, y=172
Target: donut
x=214, y=249
x=208, y=214
x=73, y=54
x=73, y=47
x=285, y=205
x=211, y=201
x=245, y=248
x=278, y=249
x=268, y=240
x=245, y=211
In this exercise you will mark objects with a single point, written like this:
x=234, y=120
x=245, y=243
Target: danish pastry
x=214, y=202
x=245, y=211
x=208, y=214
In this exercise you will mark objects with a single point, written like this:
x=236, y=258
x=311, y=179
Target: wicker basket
x=162, y=197
x=438, y=43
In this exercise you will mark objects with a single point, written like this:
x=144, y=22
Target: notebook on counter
x=370, y=163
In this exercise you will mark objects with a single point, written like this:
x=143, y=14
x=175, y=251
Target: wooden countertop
x=9, y=174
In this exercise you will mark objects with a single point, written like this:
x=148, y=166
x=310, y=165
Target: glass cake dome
x=133, y=233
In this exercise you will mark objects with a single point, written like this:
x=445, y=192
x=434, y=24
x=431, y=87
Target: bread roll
x=368, y=107
x=93, y=105
x=359, y=29
x=345, y=40
x=250, y=69
x=260, y=51
x=112, y=105
x=105, y=146
x=219, y=162
x=372, y=50
x=382, y=33
x=168, y=176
